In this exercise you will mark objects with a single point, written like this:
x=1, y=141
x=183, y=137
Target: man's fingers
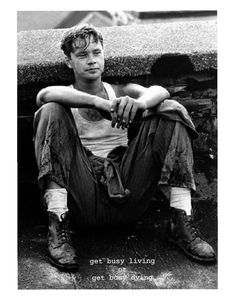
x=113, y=116
x=113, y=111
x=121, y=108
x=126, y=114
x=134, y=110
x=115, y=103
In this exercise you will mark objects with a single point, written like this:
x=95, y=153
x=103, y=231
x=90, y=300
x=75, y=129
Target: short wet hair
x=79, y=31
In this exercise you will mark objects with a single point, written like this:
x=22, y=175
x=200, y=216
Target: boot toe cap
x=204, y=251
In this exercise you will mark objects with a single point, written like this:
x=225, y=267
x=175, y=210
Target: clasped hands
x=123, y=111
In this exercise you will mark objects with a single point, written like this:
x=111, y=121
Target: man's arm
x=71, y=97
x=133, y=98
x=148, y=97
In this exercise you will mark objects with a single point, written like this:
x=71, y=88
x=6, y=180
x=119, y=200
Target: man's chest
x=90, y=114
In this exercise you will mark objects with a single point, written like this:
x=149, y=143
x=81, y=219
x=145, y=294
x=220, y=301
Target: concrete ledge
x=129, y=50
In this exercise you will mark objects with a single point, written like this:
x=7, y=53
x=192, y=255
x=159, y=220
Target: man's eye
x=81, y=55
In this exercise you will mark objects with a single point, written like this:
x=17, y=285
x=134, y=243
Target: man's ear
x=68, y=62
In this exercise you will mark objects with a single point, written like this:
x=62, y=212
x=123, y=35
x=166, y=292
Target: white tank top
x=98, y=136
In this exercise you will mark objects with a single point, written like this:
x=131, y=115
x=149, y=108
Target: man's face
x=87, y=63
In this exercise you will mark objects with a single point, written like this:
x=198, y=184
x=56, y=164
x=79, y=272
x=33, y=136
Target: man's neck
x=93, y=87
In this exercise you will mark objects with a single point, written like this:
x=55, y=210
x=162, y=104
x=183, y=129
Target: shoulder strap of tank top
x=110, y=91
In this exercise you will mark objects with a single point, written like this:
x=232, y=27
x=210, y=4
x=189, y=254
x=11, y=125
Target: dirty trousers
x=117, y=189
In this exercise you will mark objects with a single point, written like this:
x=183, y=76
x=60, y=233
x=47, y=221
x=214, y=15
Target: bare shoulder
x=129, y=89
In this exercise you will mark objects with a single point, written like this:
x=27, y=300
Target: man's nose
x=91, y=59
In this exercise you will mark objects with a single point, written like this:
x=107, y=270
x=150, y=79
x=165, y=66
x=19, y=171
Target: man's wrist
x=96, y=102
x=142, y=105
x=101, y=104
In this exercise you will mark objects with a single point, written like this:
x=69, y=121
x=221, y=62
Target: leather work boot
x=61, y=251
x=180, y=230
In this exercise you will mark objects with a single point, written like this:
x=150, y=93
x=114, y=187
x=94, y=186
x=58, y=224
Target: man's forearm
x=70, y=97
x=153, y=96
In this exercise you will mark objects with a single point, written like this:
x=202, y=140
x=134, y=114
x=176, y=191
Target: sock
x=56, y=200
x=181, y=198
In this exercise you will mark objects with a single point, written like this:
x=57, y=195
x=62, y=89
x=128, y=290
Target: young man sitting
x=86, y=167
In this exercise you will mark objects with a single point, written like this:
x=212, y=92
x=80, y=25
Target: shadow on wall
x=172, y=66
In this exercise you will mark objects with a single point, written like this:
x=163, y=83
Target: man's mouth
x=92, y=69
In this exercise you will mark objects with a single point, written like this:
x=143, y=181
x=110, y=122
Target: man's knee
x=48, y=113
x=52, y=109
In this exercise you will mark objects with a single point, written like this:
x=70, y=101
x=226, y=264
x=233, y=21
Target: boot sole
x=196, y=258
x=63, y=267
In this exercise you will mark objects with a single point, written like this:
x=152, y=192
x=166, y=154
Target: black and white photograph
x=117, y=149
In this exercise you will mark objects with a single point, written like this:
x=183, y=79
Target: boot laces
x=194, y=232
x=63, y=232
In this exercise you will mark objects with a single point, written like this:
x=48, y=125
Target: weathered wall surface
x=179, y=56
x=130, y=50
